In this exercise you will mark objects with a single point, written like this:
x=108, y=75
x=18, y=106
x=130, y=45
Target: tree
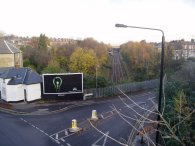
x=176, y=119
x=53, y=67
x=63, y=63
x=83, y=60
x=100, y=49
x=58, y=59
x=142, y=60
x=39, y=55
x=37, y=58
x=42, y=42
x=34, y=42
x=36, y=53
x=179, y=129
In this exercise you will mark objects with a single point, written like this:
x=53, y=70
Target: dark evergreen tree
x=43, y=42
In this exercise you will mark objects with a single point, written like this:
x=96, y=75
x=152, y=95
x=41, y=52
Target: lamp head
x=121, y=25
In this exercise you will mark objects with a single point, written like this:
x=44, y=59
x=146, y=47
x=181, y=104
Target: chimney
x=17, y=65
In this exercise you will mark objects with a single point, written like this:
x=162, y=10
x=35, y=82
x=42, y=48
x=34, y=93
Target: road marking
x=105, y=139
x=34, y=126
x=56, y=136
x=66, y=132
x=43, y=109
x=102, y=137
x=107, y=114
x=56, y=141
x=61, y=135
x=132, y=105
x=40, y=130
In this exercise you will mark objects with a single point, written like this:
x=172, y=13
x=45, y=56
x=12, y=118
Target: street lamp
x=96, y=80
x=161, y=69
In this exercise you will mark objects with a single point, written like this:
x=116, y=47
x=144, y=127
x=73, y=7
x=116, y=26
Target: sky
x=79, y=19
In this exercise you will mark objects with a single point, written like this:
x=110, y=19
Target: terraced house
x=10, y=56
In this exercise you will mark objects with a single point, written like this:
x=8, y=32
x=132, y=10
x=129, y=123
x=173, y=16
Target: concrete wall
x=15, y=92
x=1, y=82
x=33, y=92
x=3, y=89
x=11, y=92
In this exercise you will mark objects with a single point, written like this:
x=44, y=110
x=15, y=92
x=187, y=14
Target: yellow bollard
x=74, y=124
x=94, y=115
x=74, y=127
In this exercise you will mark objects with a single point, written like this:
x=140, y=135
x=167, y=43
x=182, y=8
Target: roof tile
x=7, y=48
x=21, y=76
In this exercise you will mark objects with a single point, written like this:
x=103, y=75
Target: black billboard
x=61, y=84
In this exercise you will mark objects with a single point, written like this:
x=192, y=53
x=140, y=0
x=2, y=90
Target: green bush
x=178, y=115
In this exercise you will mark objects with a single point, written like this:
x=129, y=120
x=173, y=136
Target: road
x=53, y=129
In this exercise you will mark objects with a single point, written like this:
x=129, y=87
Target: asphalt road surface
x=111, y=129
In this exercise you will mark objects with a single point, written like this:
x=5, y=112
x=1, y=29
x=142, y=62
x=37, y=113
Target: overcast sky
x=79, y=19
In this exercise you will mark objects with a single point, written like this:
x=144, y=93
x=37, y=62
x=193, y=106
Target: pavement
x=42, y=107
x=39, y=107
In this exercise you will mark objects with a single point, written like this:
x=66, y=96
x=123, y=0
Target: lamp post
x=161, y=69
x=96, y=77
x=96, y=81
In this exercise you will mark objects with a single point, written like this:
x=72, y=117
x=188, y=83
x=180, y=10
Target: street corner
x=5, y=105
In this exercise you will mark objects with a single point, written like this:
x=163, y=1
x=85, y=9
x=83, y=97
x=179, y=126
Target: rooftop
x=7, y=48
x=21, y=76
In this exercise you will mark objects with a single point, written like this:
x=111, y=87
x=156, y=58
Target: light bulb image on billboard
x=69, y=83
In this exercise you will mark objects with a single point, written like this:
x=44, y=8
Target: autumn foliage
x=142, y=60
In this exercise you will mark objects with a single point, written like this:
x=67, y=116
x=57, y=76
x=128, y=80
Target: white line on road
x=66, y=132
x=105, y=139
x=107, y=114
x=37, y=128
x=63, y=134
x=56, y=136
x=132, y=105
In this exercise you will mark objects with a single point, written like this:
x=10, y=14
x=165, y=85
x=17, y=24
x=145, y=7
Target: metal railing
x=127, y=88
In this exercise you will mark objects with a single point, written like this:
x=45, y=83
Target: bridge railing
x=127, y=88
